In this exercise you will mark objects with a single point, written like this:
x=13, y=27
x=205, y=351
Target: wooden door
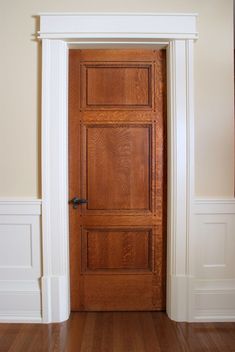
x=117, y=163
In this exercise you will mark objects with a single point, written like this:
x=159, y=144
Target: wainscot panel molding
x=20, y=260
x=213, y=287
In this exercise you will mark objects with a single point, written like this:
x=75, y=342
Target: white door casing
x=59, y=32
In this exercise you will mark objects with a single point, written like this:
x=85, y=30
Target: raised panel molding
x=20, y=260
x=106, y=77
x=128, y=249
x=131, y=140
x=17, y=251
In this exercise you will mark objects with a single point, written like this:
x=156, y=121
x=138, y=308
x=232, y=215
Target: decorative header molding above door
x=118, y=25
x=58, y=33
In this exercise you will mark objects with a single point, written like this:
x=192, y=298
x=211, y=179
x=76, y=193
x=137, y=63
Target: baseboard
x=56, y=308
x=214, y=300
x=21, y=317
x=20, y=301
x=177, y=307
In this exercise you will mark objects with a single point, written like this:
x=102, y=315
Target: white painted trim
x=214, y=206
x=223, y=291
x=55, y=281
x=116, y=44
x=20, y=201
x=219, y=201
x=24, y=317
x=21, y=286
x=55, y=181
x=20, y=206
x=214, y=285
x=96, y=14
x=181, y=176
x=118, y=25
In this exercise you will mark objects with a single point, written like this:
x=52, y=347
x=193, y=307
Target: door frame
x=59, y=32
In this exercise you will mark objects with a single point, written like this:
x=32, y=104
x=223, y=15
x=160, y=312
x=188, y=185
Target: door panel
x=117, y=158
x=116, y=86
x=125, y=152
x=117, y=249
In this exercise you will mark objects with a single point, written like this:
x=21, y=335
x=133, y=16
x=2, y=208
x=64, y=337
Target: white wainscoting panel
x=20, y=260
x=213, y=289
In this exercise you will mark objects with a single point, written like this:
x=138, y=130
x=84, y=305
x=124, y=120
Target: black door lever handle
x=76, y=201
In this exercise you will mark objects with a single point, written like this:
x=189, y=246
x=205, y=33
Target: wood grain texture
x=114, y=85
x=110, y=249
x=118, y=167
x=118, y=332
x=117, y=148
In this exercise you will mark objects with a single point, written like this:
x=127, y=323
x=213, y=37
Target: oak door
x=117, y=172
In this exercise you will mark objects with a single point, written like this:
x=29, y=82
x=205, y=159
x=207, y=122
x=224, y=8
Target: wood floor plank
x=132, y=327
x=88, y=333
x=228, y=334
x=103, y=332
x=118, y=332
x=8, y=337
x=75, y=327
x=3, y=328
x=210, y=337
x=23, y=339
x=151, y=342
x=123, y=338
x=168, y=335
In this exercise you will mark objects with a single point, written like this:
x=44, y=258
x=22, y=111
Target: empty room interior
x=117, y=182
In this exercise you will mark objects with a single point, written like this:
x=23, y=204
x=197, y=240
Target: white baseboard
x=177, y=308
x=55, y=308
x=20, y=301
x=214, y=300
x=21, y=317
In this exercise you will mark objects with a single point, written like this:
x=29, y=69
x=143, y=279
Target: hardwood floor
x=118, y=332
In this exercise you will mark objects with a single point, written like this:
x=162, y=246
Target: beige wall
x=20, y=89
